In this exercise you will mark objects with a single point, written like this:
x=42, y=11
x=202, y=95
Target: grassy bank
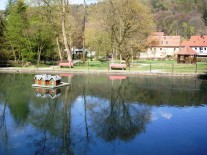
x=147, y=66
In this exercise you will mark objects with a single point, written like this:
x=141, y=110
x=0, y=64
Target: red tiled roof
x=187, y=51
x=164, y=41
x=196, y=41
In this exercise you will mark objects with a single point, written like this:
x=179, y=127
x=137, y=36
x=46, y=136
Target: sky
x=3, y=2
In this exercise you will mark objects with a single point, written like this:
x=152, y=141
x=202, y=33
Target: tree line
x=180, y=17
x=35, y=30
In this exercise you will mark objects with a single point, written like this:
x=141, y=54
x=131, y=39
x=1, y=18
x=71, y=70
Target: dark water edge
x=104, y=114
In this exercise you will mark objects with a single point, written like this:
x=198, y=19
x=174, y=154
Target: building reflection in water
x=46, y=93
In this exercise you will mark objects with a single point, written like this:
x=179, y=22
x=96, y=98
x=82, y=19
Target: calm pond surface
x=103, y=114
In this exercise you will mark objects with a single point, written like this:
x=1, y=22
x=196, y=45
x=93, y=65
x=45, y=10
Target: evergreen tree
x=16, y=23
x=3, y=55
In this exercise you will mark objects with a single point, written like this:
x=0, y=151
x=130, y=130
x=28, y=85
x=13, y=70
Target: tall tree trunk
x=22, y=58
x=112, y=57
x=84, y=24
x=59, y=51
x=38, y=56
x=132, y=56
x=64, y=33
x=120, y=52
x=39, y=52
x=14, y=54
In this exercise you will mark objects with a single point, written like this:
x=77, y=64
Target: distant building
x=187, y=55
x=78, y=53
x=198, y=44
x=161, y=46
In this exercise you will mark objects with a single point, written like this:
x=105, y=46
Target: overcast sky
x=3, y=2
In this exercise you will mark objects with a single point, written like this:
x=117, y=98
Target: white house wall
x=200, y=50
x=158, y=52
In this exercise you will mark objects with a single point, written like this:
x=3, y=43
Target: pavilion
x=187, y=55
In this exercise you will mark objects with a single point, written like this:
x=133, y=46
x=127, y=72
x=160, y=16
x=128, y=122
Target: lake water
x=104, y=114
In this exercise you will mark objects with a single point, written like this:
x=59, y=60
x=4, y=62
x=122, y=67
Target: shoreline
x=107, y=72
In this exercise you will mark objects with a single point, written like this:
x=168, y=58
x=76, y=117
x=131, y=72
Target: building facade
x=198, y=44
x=161, y=46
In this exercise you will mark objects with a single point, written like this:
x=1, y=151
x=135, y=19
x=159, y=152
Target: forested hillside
x=50, y=29
x=180, y=17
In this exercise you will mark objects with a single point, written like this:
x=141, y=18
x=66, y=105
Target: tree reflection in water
x=120, y=120
x=92, y=108
x=3, y=127
x=53, y=118
x=4, y=97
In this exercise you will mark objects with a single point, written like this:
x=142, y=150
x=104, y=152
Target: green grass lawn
x=170, y=67
x=158, y=66
x=93, y=65
x=167, y=66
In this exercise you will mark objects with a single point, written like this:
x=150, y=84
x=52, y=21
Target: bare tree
x=84, y=25
x=128, y=20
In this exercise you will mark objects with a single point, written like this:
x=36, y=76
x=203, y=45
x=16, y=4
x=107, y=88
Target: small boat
x=48, y=81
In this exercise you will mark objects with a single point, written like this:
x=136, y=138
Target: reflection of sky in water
x=171, y=127
x=158, y=114
x=168, y=113
x=17, y=136
x=185, y=132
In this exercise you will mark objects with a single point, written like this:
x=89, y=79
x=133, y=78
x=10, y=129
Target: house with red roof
x=161, y=46
x=198, y=44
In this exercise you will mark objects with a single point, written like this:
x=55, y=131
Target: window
x=205, y=48
x=166, y=42
x=196, y=48
x=160, y=49
x=201, y=48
